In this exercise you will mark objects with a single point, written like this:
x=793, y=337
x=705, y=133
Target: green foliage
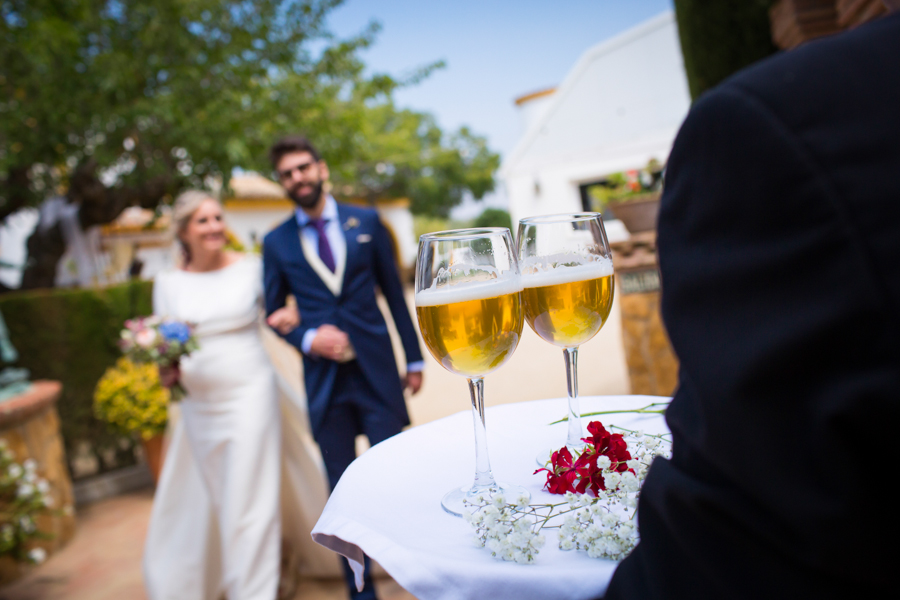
x=494, y=217
x=71, y=336
x=130, y=398
x=173, y=93
x=426, y=224
x=720, y=38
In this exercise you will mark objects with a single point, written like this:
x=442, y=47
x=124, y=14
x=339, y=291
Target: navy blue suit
x=355, y=311
x=365, y=395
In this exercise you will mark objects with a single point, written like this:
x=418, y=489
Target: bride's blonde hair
x=184, y=207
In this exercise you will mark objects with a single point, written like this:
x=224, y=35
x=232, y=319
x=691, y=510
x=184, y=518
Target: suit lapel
x=350, y=231
x=297, y=253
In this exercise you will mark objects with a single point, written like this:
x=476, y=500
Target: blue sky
x=495, y=50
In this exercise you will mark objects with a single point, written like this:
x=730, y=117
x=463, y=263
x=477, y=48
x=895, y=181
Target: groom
x=332, y=257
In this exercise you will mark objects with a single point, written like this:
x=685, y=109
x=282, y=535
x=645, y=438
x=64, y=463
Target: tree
x=126, y=102
x=720, y=38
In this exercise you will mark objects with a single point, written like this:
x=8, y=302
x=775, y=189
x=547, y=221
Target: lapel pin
x=351, y=223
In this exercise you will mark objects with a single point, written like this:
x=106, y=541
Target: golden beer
x=567, y=306
x=468, y=333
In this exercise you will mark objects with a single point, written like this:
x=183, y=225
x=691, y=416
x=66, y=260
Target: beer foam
x=538, y=275
x=464, y=292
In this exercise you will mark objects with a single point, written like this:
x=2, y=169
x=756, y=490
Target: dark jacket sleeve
x=766, y=286
x=276, y=291
x=389, y=281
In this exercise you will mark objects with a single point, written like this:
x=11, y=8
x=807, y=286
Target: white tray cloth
x=388, y=505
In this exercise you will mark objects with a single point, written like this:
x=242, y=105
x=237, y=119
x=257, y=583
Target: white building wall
x=620, y=106
x=245, y=223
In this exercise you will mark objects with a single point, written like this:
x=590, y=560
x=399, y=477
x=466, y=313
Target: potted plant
x=131, y=399
x=633, y=196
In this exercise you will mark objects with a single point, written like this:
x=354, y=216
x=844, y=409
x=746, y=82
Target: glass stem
x=483, y=475
x=575, y=431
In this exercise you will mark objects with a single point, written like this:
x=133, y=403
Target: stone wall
x=652, y=365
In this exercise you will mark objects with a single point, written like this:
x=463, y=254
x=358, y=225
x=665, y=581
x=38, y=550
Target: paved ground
x=103, y=560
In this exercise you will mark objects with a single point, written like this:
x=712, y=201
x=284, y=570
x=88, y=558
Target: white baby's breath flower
x=612, y=480
x=14, y=471
x=30, y=465
x=498, y=500
x=25, y=490
x=37, y=555
x=630, y=482
x=603, y=462
x=27, y=525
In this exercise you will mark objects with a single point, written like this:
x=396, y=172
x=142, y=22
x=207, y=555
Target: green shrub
x=71, y=336
x=425, y=224
x=722, y=37
x=494, y=217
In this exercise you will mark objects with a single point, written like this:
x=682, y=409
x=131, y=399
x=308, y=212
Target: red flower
x=584, y=474
x=561, y=475
x=599, y=436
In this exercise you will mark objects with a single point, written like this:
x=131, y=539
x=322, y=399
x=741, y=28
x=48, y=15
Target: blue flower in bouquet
x=175, y=331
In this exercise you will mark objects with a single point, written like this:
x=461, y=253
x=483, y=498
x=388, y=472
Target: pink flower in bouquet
x=146, y=338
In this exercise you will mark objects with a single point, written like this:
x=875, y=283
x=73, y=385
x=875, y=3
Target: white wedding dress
x=241, y=470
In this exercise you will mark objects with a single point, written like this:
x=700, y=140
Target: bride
x=238, y=470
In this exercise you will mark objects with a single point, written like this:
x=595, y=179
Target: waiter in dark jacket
x=779, y=245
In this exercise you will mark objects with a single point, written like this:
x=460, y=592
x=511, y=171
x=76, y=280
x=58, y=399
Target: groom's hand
x=413, y=382
x=330, y=342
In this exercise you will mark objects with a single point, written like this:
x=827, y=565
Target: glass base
x=543, y=457
x=452, y=502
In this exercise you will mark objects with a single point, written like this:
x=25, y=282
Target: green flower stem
x=646, y=410
x=660, y=436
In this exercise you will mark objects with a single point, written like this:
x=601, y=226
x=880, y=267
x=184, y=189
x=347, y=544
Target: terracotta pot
x=639, y=214
x=153, y=455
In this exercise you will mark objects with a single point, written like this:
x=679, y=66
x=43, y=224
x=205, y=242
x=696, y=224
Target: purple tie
x=324, y=247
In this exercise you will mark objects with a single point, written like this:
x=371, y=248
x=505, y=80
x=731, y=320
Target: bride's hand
x=284, y=320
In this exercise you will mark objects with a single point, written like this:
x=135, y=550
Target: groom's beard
x=306, y=200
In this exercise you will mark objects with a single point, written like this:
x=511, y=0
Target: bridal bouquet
x=159, y=341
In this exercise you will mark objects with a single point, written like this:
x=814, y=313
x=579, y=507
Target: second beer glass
x=567, y=275
x=469, y=305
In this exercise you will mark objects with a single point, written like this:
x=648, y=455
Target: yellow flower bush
x=130, y=398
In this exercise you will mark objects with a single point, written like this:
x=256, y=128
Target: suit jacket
x=370, y=264
x=779, y=248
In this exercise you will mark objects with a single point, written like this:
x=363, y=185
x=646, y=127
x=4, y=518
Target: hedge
x=721, y=37
x=71, y=336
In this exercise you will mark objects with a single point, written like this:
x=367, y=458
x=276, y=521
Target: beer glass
x=567, y=276
x=469, y=306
